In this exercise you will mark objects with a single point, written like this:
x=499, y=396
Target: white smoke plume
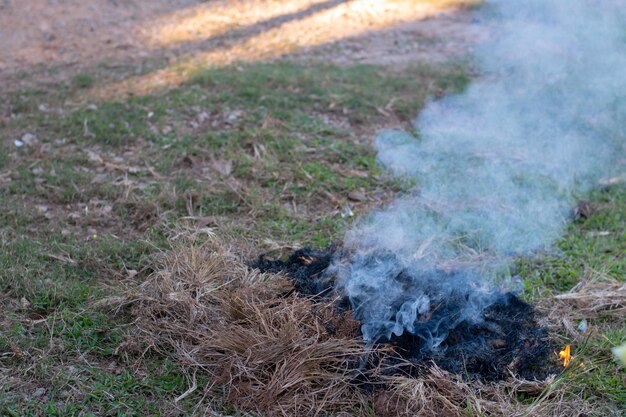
x=499, y=166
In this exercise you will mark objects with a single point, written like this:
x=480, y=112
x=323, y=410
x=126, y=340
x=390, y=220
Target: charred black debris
x=507, y=341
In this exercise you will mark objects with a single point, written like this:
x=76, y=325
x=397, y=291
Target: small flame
x=566, y=355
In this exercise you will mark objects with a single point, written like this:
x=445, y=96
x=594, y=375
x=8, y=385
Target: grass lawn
x=270, y=156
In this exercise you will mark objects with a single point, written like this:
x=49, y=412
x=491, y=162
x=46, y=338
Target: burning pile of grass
x=501, y=337
x=266, y=349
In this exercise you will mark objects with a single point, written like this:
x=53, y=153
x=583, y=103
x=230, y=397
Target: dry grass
x=438, y=393
x=265, y=350
x=596, y=296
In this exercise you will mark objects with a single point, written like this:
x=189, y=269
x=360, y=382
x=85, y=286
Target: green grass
x=103, y=392
x=83, y=80
x=287, y=131
x=582, y=249
x=62, y=340
x=268, y=152
x=54, y=271
x=273, y=123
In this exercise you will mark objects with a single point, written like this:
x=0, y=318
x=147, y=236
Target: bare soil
x=54, y=40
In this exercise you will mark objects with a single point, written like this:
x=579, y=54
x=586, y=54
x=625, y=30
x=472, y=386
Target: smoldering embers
x=463, y=327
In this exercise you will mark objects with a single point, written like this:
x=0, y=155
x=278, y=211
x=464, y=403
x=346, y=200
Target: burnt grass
x=507, y=341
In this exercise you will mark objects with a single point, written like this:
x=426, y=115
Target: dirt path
x=53, y=40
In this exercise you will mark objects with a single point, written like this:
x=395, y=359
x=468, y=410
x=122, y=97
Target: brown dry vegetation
x=260, y=346
x=267, y=350
x=596, y=296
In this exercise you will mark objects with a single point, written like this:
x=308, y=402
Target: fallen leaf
x=206, y=221
x=607, y=182
x=233, y=116
x=585, y=209
x=223, y=167
x=100, y=178
x=29, y=139
x=94, y=157
x=41, y=209
x=259, y=150
x=357, y=173
x=74, y=216
x=202, y=117
x=357, y=196
x=17, y=351
x=598, y=233
x=39, y=392
x=347, y=212
x=270, y=122
x=63, y=259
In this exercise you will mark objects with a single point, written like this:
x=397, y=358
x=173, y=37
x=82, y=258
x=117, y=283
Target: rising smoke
x=499, y=167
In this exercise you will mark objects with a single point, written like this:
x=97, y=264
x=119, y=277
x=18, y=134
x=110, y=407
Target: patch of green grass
x=291, y=93
x=84, y=390
x=287, y=226
x=267, y=119
x=61, y=339
x=116, y=123
x=597, y=243
x=605, y=379
x=26, y=102
x=59, y=181
x=597, y=377
x=285, y=89
x=56, y=272
x=83, y=81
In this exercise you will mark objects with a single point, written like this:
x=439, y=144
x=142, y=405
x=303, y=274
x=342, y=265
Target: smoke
x=498, y=167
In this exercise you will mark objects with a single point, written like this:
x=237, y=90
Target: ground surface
x=57, y=39
x=126, y=124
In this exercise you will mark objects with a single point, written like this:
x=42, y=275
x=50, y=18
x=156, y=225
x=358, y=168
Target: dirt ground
x=43, y=41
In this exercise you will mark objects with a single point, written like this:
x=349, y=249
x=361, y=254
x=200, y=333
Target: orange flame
x=566, y=355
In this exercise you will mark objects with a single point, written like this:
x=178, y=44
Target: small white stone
x=39, y=392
